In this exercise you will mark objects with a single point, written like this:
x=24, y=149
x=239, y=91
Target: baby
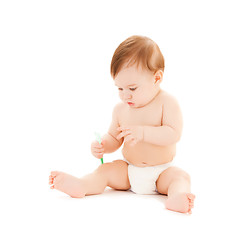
x=149, y=123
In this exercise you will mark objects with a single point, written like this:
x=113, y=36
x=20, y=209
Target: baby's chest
x=141, y=116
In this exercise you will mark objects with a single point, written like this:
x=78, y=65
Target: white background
x=56, y=90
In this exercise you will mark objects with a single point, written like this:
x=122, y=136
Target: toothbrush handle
x=101, y=160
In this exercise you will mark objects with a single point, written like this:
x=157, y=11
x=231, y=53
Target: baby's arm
x=172, y=124
x=110, y=142
x=167, y=134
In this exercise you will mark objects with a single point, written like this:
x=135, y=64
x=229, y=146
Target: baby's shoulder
x=166, y=98
x=170, y=103
x=118, y=108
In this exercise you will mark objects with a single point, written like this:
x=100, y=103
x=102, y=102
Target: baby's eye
x=132, y=89
x=120, y=89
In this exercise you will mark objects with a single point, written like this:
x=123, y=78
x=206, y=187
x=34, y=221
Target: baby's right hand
x=97, y=149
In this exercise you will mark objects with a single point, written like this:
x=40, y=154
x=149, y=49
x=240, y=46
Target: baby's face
x=136, y=86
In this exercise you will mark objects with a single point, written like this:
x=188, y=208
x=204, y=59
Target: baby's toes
x=51, y=179
x=191, y=197
x=58, y=181
x=51, y=182
x=54, y=174
x=191, y=205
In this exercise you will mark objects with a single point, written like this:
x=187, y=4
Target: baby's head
x=140, y=51
x=137, y=67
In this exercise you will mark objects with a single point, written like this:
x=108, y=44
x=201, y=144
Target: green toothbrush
x=98, y=138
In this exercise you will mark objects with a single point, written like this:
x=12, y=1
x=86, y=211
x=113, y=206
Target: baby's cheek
x=139, y=98
x=120, y=94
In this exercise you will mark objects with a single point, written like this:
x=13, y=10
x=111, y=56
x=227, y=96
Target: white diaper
x=143, y=179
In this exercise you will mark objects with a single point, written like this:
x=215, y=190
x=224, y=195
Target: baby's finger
x=128, y=138
x=98, y=151
x=122, y=129
x=123, y=134
x=103, y=142
x=96, y=143
x=99, y=156
x=97, y=146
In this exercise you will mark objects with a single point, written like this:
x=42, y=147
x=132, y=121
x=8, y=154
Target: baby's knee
x=176, y=173
x=103, y=168
x=184, y=175
x=111, y=166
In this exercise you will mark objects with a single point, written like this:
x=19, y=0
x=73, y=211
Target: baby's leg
x=176, y=184
x=114, y=175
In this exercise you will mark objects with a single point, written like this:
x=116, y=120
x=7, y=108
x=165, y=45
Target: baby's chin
x=133, y=105
x=138, y=105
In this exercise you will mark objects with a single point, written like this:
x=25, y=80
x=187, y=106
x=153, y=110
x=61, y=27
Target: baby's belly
x=144, y=154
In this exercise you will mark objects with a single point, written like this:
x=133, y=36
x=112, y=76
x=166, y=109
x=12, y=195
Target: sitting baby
x=148, y=122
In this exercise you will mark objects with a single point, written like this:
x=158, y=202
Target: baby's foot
x=66, y=183
x=182, y=202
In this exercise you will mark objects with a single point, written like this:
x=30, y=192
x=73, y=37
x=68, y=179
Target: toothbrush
x=98, y=138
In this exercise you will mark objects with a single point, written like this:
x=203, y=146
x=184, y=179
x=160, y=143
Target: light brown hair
x=138, y=50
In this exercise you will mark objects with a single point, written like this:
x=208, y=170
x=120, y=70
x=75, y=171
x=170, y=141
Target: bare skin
x=114, y=175
x=149, y=123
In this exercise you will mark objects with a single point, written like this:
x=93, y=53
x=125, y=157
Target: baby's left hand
x=132, y=134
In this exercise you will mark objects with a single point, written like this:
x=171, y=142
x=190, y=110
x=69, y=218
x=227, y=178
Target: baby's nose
x=127, y=96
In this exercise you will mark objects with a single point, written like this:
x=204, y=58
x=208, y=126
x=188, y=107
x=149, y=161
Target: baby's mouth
x=130, y=103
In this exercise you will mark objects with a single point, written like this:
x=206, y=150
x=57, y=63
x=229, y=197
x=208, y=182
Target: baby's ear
x=158, y=76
